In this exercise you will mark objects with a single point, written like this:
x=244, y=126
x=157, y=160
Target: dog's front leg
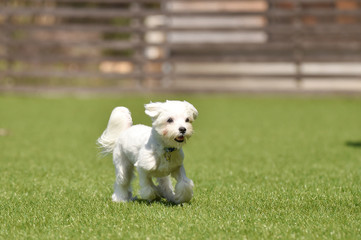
x=147, y=188
x=165, y=188
x=184, y=186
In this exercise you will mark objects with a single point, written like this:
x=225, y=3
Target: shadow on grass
x=158, y=201
x=354, y=144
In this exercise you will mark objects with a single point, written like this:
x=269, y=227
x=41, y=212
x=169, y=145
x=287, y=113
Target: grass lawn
x=263, y=168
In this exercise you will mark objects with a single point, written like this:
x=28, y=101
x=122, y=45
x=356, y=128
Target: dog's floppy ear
x=192, y=109
x=153, y=109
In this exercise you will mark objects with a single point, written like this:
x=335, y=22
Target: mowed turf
x=263, y=168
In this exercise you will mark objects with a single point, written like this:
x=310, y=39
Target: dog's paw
x=183, y=191
x=115, y=198
x=148, y=194
x=165, y=192
x=119, y=198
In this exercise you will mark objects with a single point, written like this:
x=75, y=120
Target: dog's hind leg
x=124, y=172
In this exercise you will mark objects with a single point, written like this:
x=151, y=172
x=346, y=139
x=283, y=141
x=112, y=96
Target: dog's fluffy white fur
x=154, y=151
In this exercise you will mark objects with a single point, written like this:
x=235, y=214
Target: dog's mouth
x=179, y=139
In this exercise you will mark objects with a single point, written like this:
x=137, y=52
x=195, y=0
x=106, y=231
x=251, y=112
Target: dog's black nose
x=182, y=130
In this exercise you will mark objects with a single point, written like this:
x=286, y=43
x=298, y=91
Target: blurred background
x=180, y=45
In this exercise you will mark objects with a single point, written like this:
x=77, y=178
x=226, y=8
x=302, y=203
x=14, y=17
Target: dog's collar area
x=169, y=150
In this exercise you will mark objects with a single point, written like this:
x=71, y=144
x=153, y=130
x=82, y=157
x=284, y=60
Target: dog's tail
x=119, y=120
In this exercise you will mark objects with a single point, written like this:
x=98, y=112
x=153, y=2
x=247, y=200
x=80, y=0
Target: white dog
x=155, y=152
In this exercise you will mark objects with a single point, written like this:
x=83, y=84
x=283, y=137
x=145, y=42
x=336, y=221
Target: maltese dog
x=154, y=151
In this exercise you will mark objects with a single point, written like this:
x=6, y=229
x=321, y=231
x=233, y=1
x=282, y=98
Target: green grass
x=263, y=168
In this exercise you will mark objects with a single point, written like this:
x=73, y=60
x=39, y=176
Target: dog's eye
x=170, y=120
x=187, y=119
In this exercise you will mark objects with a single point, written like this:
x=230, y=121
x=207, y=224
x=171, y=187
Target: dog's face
x=172, y=120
